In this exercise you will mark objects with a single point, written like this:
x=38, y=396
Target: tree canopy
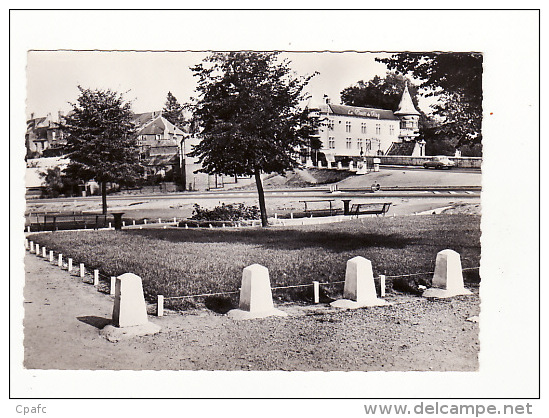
x=173, y=111
x=456, y=79
x=379, y=92
x=249, y=115
x=101, y=140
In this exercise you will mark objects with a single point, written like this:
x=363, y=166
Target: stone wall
x=463, y=162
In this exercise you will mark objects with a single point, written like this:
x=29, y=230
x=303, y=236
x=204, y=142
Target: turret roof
x=406, y=105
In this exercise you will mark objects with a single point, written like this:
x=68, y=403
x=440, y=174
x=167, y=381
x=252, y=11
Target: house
x=349, y=133
x=44, y=136
x=159, y=143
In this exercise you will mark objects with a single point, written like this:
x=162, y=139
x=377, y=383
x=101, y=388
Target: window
x=359, y=143
x=348, y=126
x=331, y=142
x=378, y=129
x=330, y=124
x=348, y=143
x=368, y=147
x=391, y=130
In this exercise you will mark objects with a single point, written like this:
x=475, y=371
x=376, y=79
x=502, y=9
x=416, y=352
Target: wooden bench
x=369, y=209
x=54, y=221
x=322, y=211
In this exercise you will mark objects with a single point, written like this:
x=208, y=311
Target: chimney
x=60, y=115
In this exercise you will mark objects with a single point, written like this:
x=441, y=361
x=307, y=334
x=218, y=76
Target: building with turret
x=348, y=133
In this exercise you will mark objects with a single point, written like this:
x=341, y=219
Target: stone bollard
x=37, y=250
x=123, y=223
x=159, y=220
x=44, y=255
x=382, y=285
x=26, y=243
x=31, y=247
x=448, y=277
x=82, y=270
x=51, y=256
x=60, y=260
x=110, y=226
x=174, y=220
x=316, y=292
x=256, y=299
x=96, y=277
x=360, y=289
x=69, y=268
x=144, y=221
x=28, y=228
x=133, y=222
x=129, y=315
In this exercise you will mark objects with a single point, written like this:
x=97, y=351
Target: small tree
x=249, y=116
x=173, y=111
x=101, y=140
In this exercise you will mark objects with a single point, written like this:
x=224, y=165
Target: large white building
x=349, y=133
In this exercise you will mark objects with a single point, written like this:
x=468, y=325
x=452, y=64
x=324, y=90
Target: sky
x=145, y=78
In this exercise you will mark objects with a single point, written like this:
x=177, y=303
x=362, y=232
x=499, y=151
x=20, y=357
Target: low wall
x=463, y=162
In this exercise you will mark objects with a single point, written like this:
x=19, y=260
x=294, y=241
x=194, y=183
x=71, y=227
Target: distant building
x=159, y=143
x=44, y=136
x=349, y=132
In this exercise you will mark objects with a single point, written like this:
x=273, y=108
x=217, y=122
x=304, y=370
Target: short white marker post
x=316, y=291
x=223, y=225
x=96, y=277
x=291, y=215
x=26, y=243
x=160, y=305
x=186, y=226
x=110, y=225
x=113, y=285
x=31, y=247
x=174, y=220
x=210, y=225
x=51, y=256
x=69, y=268
x=37, y=250
x=382, y=285
x=123, y=223
x=82, y=270
x=133, y=222
x=28, y=228
x=145, y=221
x=159, y=220
x=60, y=260
x=44, y=252
x=276, y=215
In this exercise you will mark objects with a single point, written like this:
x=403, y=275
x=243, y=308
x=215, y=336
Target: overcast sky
x=146, y=77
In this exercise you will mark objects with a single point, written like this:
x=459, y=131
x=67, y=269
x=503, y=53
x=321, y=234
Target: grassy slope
x=177, y=262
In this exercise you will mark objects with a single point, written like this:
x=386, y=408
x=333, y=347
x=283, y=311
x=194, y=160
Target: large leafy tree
x=101, y=140
x=379, y=92
x=249, y=116
x=456, y=80
x=173, y=111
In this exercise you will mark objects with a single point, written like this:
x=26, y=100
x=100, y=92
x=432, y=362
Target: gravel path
x=63, y=317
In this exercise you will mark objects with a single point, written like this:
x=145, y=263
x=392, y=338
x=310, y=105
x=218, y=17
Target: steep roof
x=406, y=106
x=365, y=112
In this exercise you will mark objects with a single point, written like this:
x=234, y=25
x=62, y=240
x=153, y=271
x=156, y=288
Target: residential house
x=44, y=136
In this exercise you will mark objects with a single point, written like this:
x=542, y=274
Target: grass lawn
x=176, y=262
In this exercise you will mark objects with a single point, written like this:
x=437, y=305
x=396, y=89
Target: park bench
x=320, y=211
x=54, y=221
x=369, y=209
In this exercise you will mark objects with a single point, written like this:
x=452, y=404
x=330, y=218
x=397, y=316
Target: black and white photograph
x=272, y=207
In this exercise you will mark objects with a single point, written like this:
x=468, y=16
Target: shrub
x=239, y=212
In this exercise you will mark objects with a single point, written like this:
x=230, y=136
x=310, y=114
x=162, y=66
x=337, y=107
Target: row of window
x=364, y=145
x=363, y=127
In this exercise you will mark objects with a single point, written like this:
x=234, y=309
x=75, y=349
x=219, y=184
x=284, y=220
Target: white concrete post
x=44, y=252
x=316, y=291
x=60, y=260
x=113, y=285
x=31, y=247
x=448, y=277
x=123, y=223
x=51, y=256
x=26, y=243
x=256, y=299
x=37, y=250
x=28, y=228
x=160, y=305
x=276, y=215
x=223, y=225
x=174, y=220
x=159, y=220
x=82, y=270
x=382, y=285
x=360, y=289
x=110, y=225
x=291, y=215
x=129, y=303
x=145, y=221
x=96, y=277
x=210, y=225
x=133, y=222
x=186, y=226
x=69, y=268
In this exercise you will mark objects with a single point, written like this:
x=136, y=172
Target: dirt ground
x=63, y=317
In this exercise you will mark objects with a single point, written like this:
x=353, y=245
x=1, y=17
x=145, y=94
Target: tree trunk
x=261, y=195
x=104, y=196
